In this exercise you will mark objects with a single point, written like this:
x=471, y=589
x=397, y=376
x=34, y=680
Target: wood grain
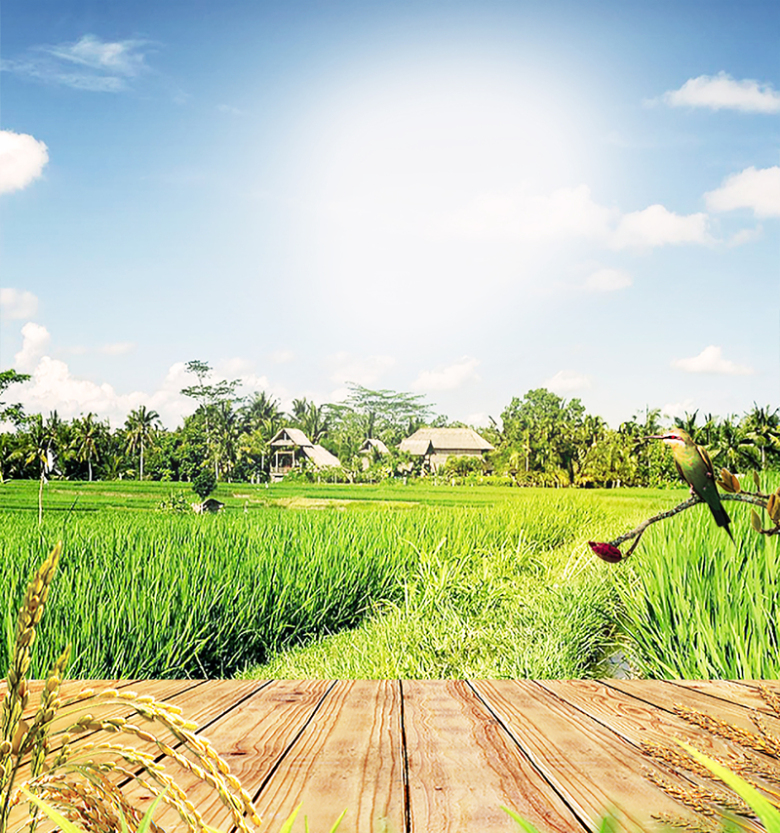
x=463, y=767
x=348, y=757
x=633, y=719
x=591, y=767
x=253, y=739
x=665, y=695
x=558, y=752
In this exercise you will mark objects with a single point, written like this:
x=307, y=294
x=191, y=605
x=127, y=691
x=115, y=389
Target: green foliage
x=543, y=439
x=208, y=596
x=204, y=483
x=698, y=607
x=12, y=413
x=175, y=503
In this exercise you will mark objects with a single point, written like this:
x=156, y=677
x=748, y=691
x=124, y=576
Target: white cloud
x=53, y=387
x=346, y=367
x=22, y=159
x=17, y=303
x=657, y=226
x=88, y=64
x=35, y=341
x=282, y=356
x=711, y=360
x=745, y=235
x=721, y=91
x=678, y=409
x=569, y=214
x=566, y=381
x=118, y=348
x=448, y=378
x=608, y=280
x=120, y=57
x=758, y=190
x=228, y=108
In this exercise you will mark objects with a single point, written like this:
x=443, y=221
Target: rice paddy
x=308, y=580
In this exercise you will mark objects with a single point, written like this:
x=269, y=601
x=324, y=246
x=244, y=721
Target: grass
x=699, y=607
x=420, y=580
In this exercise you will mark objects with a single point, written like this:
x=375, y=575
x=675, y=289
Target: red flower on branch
x=606, y=552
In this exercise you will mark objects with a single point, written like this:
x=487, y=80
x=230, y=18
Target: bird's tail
x=722, y=519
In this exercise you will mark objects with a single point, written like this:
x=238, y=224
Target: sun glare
x=398, y=165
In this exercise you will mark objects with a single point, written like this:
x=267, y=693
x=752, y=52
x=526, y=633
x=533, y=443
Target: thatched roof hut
x=293, y=449
x=437, y=444
x=372, y=444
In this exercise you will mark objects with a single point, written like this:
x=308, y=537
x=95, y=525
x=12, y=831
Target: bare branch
x=756, y=499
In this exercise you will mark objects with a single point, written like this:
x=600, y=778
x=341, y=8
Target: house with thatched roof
x=371, y=445
x=292, y=449
x=371, y=450
x=435, y=445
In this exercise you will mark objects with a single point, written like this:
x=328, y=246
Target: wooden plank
x=637, y=721
x=592, y=768
x=201, y=702
x=69, y=688
x=462, y=766
x=666, y=695
x=742, y=692
x=252, y=739
x=349, y=756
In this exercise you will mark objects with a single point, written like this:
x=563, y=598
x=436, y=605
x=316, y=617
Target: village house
x=370, y=450
x=292, y=449
x=435, y=445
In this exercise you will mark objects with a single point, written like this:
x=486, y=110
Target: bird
x=695, y=468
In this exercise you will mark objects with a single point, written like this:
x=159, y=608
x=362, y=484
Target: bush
x=204, y=483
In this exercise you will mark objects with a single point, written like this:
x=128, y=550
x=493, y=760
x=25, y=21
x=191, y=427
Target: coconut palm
x=688, y=424
x=227, y=434
x=762, y=430
x=140, y=427
x=261, y=411
x=311, y=419
x=87, y=434
x=728, y=448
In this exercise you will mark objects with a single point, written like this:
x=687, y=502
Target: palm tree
x=762, y=430
x=38, y=450
x=140, y=426
x=87, y=435
x=260, y=411
x=728, y=447
x=311, y=419
x=688, y=424
x=227, y=434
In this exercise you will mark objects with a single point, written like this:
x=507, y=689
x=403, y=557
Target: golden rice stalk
x=82, y=779
x=15, y=699
x=767, y=744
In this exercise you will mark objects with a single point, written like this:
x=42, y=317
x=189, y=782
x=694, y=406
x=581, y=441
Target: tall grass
x=168, y=597
x=699, y=607
x=161, y=595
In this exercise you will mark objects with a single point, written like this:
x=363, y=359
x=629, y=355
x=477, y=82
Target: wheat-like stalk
x=82, y=780
x=706, y=802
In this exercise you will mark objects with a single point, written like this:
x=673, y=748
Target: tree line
x=540, y=439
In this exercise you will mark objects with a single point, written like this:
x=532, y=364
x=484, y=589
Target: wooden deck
x=414, y=756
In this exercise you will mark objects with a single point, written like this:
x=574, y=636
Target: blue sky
x=464, y=200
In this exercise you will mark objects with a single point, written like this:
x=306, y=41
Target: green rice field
x=307, y=580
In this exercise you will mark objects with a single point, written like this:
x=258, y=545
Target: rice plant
x=698, y=607
x=162, y=594
x=41, y=758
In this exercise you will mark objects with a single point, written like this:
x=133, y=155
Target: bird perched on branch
x=695, y=467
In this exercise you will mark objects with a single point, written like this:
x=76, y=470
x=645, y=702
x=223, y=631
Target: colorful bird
x=695, y=467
